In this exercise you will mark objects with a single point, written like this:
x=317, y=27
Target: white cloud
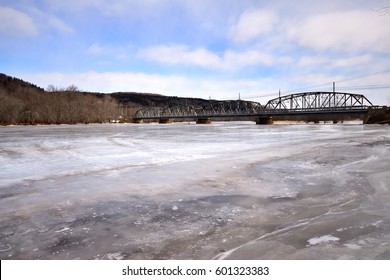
x=29, y=22
x=95, y=48
x=214, y=87
x=171, y=85
x=252, y=24
x=110, y=81
x=315, y=81
x=344, y=31
x=297, y=44
x=138, y=8
x=118, y=52
x=306, y=61
x=16, y=23
x=46, y=20
x=180, y=54
x=57, y=24
x=247, y=58
x=234, y=59
x=229, y=60
x=360, y=60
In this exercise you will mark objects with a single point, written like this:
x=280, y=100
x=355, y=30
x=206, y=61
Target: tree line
x=25, y=103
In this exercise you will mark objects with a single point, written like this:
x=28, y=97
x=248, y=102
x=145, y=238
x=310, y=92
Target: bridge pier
x=264, y=120
x=203, y=121
x=165, y=121
x=138, y=121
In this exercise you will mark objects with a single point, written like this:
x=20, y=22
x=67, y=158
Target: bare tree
x=72, y=88
x=51, y=88
x=10, y=109
x=24, y=103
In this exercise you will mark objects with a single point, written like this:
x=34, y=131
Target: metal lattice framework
x=318, y=101
x=307, y=102
x=213, y=109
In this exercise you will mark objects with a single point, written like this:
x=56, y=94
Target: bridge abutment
x=163, y=121
x=378, y=116
x=264, y=120
x=203, y=121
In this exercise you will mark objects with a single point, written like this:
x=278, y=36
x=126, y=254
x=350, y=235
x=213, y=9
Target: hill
x=11, y=84
x=22, y=102
x=154, y=100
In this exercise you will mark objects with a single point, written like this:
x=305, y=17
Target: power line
x=363, y=76
x=350, y=87
x=361, y=87
x=326, y=85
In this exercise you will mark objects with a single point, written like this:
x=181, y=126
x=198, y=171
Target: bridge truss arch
x=318, y=101
x=213, y=109
x=148, y=113
x=231, y=108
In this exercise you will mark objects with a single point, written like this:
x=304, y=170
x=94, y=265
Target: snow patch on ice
x=352, y=246
x=322, y=239
x=115, y=256
x=377, y=223
x=371, y=158
x=62, y=230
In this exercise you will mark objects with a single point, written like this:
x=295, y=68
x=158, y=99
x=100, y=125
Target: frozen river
x=186, y=191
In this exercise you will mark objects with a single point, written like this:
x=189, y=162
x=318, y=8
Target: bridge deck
x=265, y=113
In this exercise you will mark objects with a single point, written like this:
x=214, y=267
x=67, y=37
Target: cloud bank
x=198, y=48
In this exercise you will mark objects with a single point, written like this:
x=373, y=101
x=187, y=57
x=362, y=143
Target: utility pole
x=239, y=96
x=334, y=95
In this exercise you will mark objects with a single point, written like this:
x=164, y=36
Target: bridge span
x=306, y=106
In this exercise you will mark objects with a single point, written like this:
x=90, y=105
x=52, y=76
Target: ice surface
x=186, y=191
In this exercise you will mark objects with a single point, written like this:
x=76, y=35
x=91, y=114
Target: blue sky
x=199, y=48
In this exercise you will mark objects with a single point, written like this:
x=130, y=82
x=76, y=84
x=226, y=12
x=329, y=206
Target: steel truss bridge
x=307, y=106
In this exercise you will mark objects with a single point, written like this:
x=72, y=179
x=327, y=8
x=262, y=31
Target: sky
x=219, y=49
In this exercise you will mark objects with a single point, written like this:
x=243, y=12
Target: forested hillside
x=135, y=99
x=24, y=103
